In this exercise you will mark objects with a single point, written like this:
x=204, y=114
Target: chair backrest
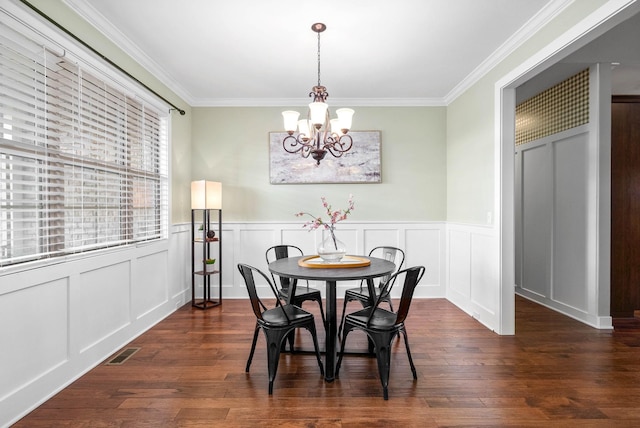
x=256, y=303
x=412, y=276
x=278, y=252
x=392, y=254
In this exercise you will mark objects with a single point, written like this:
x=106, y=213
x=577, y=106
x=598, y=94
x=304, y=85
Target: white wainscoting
x=461, y=260
x=472, y=272
x=424, y=244
x=60, y=318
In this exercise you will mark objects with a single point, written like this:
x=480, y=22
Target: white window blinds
x=83, y=165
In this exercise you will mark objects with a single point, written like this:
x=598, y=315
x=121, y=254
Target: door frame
x=603, y=19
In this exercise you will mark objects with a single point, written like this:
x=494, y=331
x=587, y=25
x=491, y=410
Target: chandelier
x=318, y=133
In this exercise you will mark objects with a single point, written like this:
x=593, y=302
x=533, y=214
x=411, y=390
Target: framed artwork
x=361, y=164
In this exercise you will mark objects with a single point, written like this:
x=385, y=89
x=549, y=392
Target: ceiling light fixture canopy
x=318, y=133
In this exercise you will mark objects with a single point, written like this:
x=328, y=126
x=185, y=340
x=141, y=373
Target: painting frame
x=361, y=164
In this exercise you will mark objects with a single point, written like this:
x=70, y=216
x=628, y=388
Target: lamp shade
x=335, y=127
x=303, y=128
x=290, y=120
x=318, y=113
x=206, y=195
x=345, y=116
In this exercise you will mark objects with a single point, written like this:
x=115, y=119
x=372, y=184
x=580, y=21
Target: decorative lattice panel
x=561, y=107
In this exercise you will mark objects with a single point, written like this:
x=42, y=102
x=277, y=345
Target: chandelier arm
x=335, y=154
x=348, y=142
x=329, y=141
x=340, y=145
x=293, y=144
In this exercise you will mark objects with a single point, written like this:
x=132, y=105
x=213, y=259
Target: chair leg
x=370, y=344
x=344, y=314
x=274, y=356
x=348, y=328
x=291, y=335
x=406, y=342
x=383, y=356
x=312, y=329
x=253, y=347
x=324, y=321
x=275, y=338
x=290, y=339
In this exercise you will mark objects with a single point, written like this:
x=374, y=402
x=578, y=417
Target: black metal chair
x=382, y=326
x=302, y=294
x=361, y=294
x=276, y=323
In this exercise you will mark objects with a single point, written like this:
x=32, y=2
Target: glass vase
x=331, y=249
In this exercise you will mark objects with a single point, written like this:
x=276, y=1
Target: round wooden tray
x=346, y=262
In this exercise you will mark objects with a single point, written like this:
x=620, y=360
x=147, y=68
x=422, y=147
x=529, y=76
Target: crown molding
x=542, y=18
x=87, y=12
x=97, y=20
x=335, y=102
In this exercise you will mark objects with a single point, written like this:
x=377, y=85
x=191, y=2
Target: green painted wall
x=181, y=166
x=471, y=126
x=230, y=145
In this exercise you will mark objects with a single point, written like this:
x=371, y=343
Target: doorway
x=625, y=206
x=604, y=19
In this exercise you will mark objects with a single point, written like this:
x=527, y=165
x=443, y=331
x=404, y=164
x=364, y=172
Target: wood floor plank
x=190, y=372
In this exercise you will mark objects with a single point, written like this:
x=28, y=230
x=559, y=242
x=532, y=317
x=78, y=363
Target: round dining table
x=291, y=268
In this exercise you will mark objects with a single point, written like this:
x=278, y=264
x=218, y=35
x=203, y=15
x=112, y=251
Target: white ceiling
x=374, y=52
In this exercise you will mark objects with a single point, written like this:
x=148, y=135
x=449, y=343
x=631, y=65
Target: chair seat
x=274, y=317
x=360, y=293
x=381, y=319
x=300, y=292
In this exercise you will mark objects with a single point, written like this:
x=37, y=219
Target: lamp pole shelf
x=199, y=258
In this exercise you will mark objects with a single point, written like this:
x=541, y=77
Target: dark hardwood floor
x=189, y=372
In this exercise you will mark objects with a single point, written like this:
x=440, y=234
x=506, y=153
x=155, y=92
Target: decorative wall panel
x=103, y=303
x=459, y=243
x=556, y=238
x=472, y=271
x=37, y=341
x=152, y=287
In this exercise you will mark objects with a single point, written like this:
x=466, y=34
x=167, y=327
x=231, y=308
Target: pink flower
x=334, y=216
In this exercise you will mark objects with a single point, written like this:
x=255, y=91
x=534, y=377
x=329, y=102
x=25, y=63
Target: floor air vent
x=122, y=357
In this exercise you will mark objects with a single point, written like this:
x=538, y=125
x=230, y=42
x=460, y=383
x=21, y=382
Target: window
x=83, y=162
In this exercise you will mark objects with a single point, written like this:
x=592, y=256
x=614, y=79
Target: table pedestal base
x=331, y=333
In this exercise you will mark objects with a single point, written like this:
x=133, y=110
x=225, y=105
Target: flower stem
x=333, y=237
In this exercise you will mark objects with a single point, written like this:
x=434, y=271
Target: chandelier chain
x=319, y=59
